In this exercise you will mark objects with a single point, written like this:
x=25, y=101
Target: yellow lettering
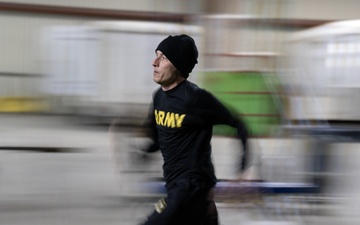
x=156, y=116
x=170, y=120
x=161, y=117
x=179, y=119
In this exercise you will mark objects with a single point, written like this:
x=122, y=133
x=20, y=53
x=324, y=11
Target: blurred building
x=277, y=62
x=57, y=59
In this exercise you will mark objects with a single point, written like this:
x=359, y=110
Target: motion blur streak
x=75, y=90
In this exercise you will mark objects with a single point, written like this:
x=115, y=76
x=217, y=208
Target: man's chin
x=156, y=80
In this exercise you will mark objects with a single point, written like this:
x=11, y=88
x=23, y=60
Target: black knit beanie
x=182, y=52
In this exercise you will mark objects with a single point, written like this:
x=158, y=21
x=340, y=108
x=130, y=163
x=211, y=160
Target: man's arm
x=151, y=132
x=212, y=111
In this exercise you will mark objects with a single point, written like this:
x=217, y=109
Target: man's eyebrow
x=160, y=54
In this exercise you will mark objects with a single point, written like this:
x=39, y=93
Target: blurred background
x=68, y=68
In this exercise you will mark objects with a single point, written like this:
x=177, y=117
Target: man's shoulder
x=194, y=88
x=194, y=94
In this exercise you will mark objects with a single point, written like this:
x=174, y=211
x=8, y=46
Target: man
x=181, y=120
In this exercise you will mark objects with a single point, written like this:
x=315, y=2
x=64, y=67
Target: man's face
x=165, y=72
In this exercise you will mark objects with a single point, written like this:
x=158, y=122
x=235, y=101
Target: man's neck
x=173, y=84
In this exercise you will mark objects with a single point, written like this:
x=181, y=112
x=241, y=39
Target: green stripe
x=224, y=85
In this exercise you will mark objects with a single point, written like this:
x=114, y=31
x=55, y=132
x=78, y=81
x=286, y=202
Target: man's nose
x=155, y=61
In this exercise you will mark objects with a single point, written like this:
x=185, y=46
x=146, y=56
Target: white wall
x=170, y=6
x=20, y=37
x=20, y=32
x=325, y=9
x=297, y=9
x=20, y=44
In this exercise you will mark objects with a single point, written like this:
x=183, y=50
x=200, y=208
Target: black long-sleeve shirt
x=181, y=121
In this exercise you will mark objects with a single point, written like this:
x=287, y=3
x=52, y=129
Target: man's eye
x=163, y=58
